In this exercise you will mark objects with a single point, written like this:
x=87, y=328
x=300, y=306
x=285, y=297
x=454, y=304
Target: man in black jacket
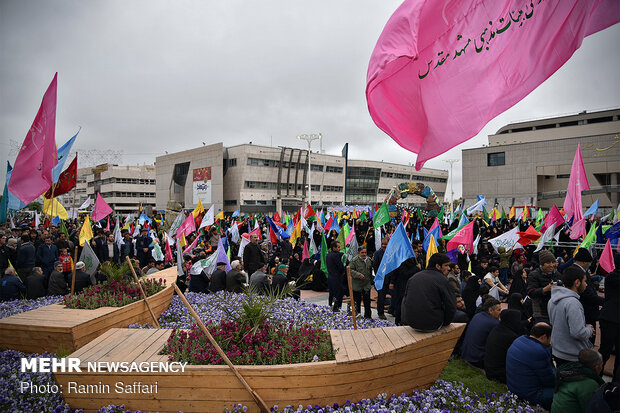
x=36, y=284
x=376, y=262
x=429, y=302
x=589, y=298
x=82, y=279
x=218, y=278
x=539, y=284
x=252, y=256
x=26, y=254
x=335, y=277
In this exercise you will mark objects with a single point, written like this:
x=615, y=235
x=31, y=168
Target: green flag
x=382, y=216
x=452, y=233
x=590, y=238
x=363, y=217
x=324, y=255
x=420, y=214
x=503, y=213
x=440, y=215
x=539, y=216
x=485, y=216
x=63, y=229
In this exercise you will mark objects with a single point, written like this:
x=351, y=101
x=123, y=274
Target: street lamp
x=451, y=162
x=309, y=138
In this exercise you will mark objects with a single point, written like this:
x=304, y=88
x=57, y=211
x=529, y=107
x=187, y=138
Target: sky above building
x=142, y=78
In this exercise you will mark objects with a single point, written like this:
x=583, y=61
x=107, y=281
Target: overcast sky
x=145, y=77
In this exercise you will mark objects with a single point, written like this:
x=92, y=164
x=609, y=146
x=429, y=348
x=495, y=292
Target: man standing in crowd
x=335, y=270
x=143, y=247
x=361, y=280
x=529, y=370
x=539, y=283
x=589, y=298
x=570, y=332
x=26, y=255
x=252, y=256
x=376, y=262
x=47, y=254
x=429, y=302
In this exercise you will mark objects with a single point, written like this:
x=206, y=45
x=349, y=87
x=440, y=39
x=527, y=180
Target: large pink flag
x=33, y=170
x=578, y=182
x=101, y=209
x=607, y=258
x=553, y=217
x=578, y=229
x=442, y=69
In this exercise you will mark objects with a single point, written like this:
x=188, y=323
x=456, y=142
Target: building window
x=334, y=169
x=316, y=188
x=230, y=202
x=563, y=176
x=232, y=162
x=384, y=191
x=316, y=167
x=428, y=178
x=496, y=159
x=332, y=188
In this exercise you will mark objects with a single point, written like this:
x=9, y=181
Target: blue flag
x=236, y=213
x=63, y=154
x=593, y=209
x=463, y=221
x=398, y=250
x=427, y=238
x=599, y=235
x=277, y=230
x=613, y=232
x=335, y=226
x=13, y=202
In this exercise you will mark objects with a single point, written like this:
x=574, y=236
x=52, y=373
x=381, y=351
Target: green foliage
x=115, y=272
x=35, y=206
x=458, y=370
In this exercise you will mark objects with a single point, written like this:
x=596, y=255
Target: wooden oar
x=135, y=277
x=73, y=276
x=351, y=297
x=261, y=403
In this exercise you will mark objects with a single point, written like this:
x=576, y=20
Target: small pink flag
x=441, y=70
x=578, y=182
x=33, y=170
x=192, y=245
x=305, y=254
x=101, y=209
x=553, y=217
x=578, y=229
x=107, y=227
x=350, y=236
x=607, y=258
x=329, y=223
x=465, y=236
x=168, y=254
x=187, y=227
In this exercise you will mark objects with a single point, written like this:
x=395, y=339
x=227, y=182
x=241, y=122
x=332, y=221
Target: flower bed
x=9, y=308
x=113, y=294
x=270, y=344
x=442, y=397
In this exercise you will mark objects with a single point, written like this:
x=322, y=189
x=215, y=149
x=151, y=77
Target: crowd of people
x=531, y=316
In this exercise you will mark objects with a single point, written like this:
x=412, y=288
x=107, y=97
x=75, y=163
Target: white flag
x=507, y=240
x=118, y=238
x=86, y=203
x=208, y=219
x=234, y=232
x=494, y=292
x=244, y=241
x=378, y=238
x=157, y=254
x=476, y=242
x=36, y=220
x=477, y=207
x=180, y=271
x=547, y=236
x=89, y=258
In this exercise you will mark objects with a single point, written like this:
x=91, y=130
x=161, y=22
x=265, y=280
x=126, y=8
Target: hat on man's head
x=583, y=255
x=79, y=265
x=545, y=256
x=220, y=263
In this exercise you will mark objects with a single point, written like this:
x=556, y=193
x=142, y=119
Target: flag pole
x=261, y=403
x=135, y=277
x=73, y=275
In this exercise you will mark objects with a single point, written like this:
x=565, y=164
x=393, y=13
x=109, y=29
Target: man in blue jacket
x=11, y=287
x=529, y=370
x=47, y=255
x=474, y=343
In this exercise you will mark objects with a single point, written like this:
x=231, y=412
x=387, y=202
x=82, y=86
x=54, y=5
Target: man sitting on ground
x=577, y=382
x=11, y=287
x=478, y=330
x=529, y=370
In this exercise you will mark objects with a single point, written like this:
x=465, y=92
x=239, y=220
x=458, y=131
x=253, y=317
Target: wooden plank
x=134, y=345
x=382, y=340
x=81, y=353
x=159, y=340
x=338, y=345
x=394, y=337
x=362, y=345
x=349, y=343
x=408, y=332
x=102, y=346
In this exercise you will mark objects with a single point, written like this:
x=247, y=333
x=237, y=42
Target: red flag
x=528, y=236
x=305, y=253
x=607, y=258
x=465, y=236
x=309, y=212
x=66, y=181
x=33, y=170
x=272, y=236
x=107, y=227
x=276, y=217
x=296, y=217
x=168, y=254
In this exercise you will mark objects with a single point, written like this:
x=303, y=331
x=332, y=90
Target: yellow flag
x=182, y=241
x=432, y=249
x=524, y=214
x=53, y=208
x=511, y=214
x=199, y=209
x=220, y=215
x=296, y=233
x=86, y=233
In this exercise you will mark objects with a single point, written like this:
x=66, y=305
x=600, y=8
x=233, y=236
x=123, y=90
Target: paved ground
x=322, y=298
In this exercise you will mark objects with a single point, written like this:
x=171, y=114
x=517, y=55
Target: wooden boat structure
x=55, y=328
x=368, y=362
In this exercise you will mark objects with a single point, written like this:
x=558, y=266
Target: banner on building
x=202, y=185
